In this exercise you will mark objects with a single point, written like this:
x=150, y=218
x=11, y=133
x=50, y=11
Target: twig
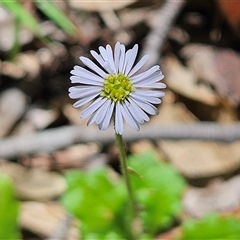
x=50, y=140
x=161, y=24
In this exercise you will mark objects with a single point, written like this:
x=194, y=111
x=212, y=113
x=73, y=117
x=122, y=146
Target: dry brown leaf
x=44, y=218
x=41, y=118
x=183, y=81
x=200, y=201
x=144, y=146
x=77, y=156
x=231, y=10
x=73, y=115
x=29, y=62
x=41, y=161
x=34, y=184
x=171, y=111
x=171, y=234
x=215, y=66
x=202, y=159
x=35, y=119
x=100, y=5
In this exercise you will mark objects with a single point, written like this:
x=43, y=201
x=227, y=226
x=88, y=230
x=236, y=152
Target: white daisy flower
x=115, y=90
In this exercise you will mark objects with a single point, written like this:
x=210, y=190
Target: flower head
x=115, y=89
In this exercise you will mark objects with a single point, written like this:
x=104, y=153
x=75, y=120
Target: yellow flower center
x=117, y=87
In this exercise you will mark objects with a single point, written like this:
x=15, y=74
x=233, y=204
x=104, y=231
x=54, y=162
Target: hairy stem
x=124, y=170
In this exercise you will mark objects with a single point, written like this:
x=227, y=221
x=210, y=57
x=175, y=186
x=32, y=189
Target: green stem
x=124, y=170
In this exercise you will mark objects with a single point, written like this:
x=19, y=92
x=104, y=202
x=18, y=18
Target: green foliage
x=56, y=15
x=9, y=208
x=47, y=7
x=22, y=15
x=97, y=201
x=100, y=202
x=212, y=227
x=158, y=190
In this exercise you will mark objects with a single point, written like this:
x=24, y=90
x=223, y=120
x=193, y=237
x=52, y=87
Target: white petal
x=118, y=120
x=92, y=119
x=99, y=114
x=145, y=74
x=105, y=123
x=139, y=65
x=103, y=111
x=83, y=101
x=82, y=92
x=128, y=117
x=147, y=107
x=152, y=93
x=155, y=77
x=151, y=80
x=82, y=72
x=150, y=99
x=87, y=81
x=122, y=58
x=137, y=112
x=150, y=85
x=117, y=54
x=98, y=57
x=108, y=68
x=93, y=107
x=131, y=59
x=93, y=66
x=103, y=52
x=110, y=58
x=127, y=57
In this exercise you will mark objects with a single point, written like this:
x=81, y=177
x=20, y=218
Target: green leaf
x=159, y=190
x=100, y=202
x=56, y=15
x=9, y=208
x=211, y=227
x=95, y=199
x=22, y=15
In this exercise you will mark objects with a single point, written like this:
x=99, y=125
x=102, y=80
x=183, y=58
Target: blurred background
x=197, y=45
